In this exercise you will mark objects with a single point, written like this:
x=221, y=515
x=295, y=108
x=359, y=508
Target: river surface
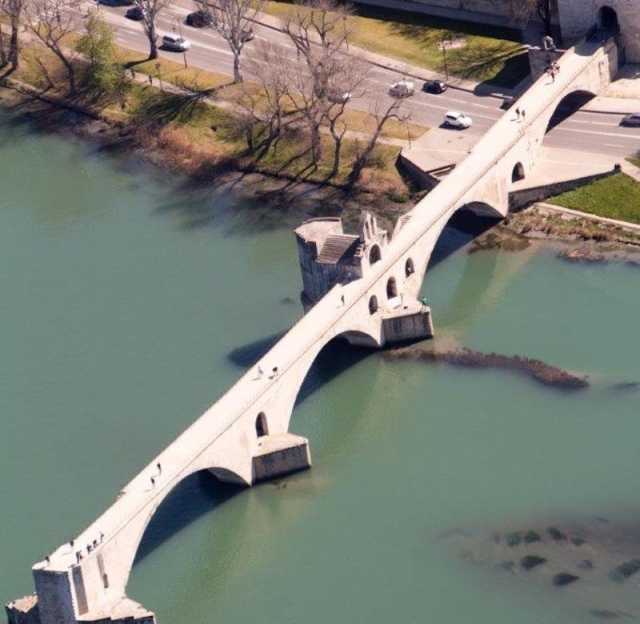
x=130, y=300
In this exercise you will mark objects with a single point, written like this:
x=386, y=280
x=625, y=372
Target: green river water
x=129, y=301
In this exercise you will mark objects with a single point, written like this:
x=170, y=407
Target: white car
x=177, y=43
x=456, y=119
x=402, y=89
x=338, y=97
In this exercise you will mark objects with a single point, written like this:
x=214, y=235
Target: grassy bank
x=479, y=52
x=615, y=197
x=202, y=132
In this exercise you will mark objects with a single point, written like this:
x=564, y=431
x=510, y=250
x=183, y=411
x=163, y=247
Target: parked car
x=631, y=120
x=177, y=43
x=456, y=119
x=199, y=19
x=338, y=96
x=402, y=89
x=434, y=86
x=247, y=34
x=135, y=13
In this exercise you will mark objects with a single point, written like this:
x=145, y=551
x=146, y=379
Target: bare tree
x=233, y=19
x=150, y=10
x=320, y=33
x=269, y=67
x=523, y=10
x=381, y=115
x=13, y=10
x=51, y=21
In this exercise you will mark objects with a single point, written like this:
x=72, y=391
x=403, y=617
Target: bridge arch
x=569, y=104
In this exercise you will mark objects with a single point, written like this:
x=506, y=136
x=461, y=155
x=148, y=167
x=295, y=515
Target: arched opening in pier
x=466, y=224
x=569, y=105
x=409, y=268
x=518, y=172
x=608, y=20
x=373, y=304
x=392, y=288
x=262, y=428
x=375, y=255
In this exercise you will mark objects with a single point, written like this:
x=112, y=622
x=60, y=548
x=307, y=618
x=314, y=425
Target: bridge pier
x=281, y=454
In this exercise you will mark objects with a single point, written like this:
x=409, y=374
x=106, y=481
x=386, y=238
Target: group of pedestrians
x=80, y=553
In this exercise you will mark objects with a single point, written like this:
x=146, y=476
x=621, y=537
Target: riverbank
x=577, y=237
x=288, y=199
x=291, y=201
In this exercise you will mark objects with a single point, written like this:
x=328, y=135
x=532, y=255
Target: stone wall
x=526, y=197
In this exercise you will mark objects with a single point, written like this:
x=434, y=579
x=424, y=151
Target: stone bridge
x=244, y=436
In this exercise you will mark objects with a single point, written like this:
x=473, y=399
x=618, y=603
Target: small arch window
x=261, y=425
x=373, y=304
x=375, y=254
x=518, y=172
x=392, y=288
x=409, y=268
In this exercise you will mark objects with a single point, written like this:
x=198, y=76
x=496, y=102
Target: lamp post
x=184, y=52
x=444, y=42
x=159, y=76
x=406, y=121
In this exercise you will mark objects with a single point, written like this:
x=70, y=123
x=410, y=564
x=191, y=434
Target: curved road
x=590, y=132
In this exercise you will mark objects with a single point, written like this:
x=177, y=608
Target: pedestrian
x=342, y=299
x=78, y=556
x=71, y=543
x=553, y=75
x=518, y=114
x=522, y=114
x=101, y=537
x=95, y=544
x=159, y=467
x=47, y=560
x=274, y=372
x=153, y=482
x=260, y=373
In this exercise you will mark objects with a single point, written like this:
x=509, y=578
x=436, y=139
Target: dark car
x=434, y=86
x=631, y=120
x=135, y=13
x=199, y=19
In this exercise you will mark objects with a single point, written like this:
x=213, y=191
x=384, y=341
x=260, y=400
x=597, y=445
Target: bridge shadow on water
x=464, y=226
x=192, y=498
x=201, y=493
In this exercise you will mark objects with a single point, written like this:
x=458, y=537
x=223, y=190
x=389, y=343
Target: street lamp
x=159, y=76
x=184, y=52
x=444, y=42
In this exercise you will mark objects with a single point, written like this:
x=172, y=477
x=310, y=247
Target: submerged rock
x=581, y=255
x=531, y=561
x=625, y=570
x=564, y=578
x=537, y=369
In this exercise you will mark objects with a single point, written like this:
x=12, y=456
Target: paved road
x=583, y=131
